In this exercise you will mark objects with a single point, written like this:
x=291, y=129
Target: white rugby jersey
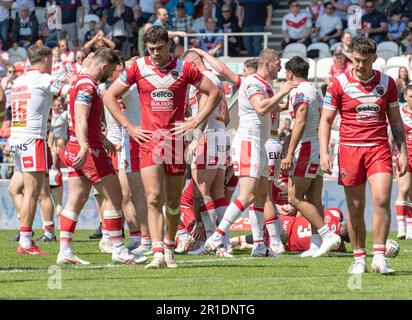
x=31, y=101
x=216, y=119
x=131, y=105
x=406, y=115
x=114, y=132
x=252, y=125
x=307, y=93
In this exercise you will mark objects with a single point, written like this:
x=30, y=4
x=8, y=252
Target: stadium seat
x=294, y=49
x=392, y=72
x=387, y=50
x=282, y=72
x=379, y=64
x=398, y=62
x=322, y=68
x=324, y=51
x=312, y=69
x=335, y=45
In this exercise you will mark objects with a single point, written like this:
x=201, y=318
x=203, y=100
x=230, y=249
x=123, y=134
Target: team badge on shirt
x=174, y=74
x=380, y=90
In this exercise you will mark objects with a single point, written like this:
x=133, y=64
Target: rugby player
x=32, y=95
x=162, y=81
x=208, y=151
x=273, y=146
x=403, y=203
x=89, y=163
x=249, y=158
x=302, y=158
x=365, y=98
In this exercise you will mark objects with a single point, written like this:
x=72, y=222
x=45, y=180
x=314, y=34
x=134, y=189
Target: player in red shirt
x=87, y=158
x=365, y=98
x=162, y=81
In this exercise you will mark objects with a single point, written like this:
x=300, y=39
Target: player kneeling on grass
x=87, y=157
x=366, y=100
x=302, y=158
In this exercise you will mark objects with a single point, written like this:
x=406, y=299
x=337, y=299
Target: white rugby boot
x=382, y=266
x=70, y=259
x=329, y=243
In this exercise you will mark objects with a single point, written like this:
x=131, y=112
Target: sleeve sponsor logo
x=328, y=98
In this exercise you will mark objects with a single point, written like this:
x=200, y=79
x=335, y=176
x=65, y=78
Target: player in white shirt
x=302, y=158
x=296, y=25
x=256, y=101
x=208, y=151
x=32, y=95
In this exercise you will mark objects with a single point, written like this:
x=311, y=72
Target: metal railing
x=226, y=36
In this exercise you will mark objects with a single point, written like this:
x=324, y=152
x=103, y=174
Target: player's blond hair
x=268, y=55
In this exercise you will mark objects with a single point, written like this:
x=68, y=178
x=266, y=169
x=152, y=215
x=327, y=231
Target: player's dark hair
x=107, y=55
x=37, y=54
x=298, y=66
x=291, y=1
x=328, y=3
x=155, y=34
x=121, y=58
x=252, y=63
x=363, y=45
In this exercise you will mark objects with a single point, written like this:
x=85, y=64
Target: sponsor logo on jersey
x=28, y=162
x=18, y=147
x=368, y=108
x=174, y=74
x=379, y=90
x=162, y=95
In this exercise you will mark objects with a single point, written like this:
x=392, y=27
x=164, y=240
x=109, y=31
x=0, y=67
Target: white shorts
x=129, y=159
x=249, y=158
x=211, y=151
x=29, y=154
x=274, y=151
x=306, y=160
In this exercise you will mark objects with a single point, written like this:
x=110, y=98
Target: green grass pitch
x=197, y=277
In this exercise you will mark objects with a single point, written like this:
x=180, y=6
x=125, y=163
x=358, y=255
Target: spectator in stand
x=181, y=21
x=48, y=32
x=158, y=4
x=402, y=82
x=141, y=45
x=374, y=23
x=4, y=60
x=69, y=10
x=120, y=19
x=211, y=44
x=25, y=28
x=258, y=14
x=103, y=25
x=172, y=5
x=5, y=6
x=406, y=44
x=58, y=67
x=328, y=26
x=386, y=6
x=98, y=6
x=99, y=41
x=340, y=65
x=7, y=83
x=147, y=9
x=296, y=26
x=77, y=66
x=200, y=23
x=16, y=53
x=137, y=24
x=162, y=18
x=341, y=9
x=91, y=32
x=67, y=56
x=230, y=23
x=233, y=9
x=314, y=11
x=346, y=45
x=396, y=27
